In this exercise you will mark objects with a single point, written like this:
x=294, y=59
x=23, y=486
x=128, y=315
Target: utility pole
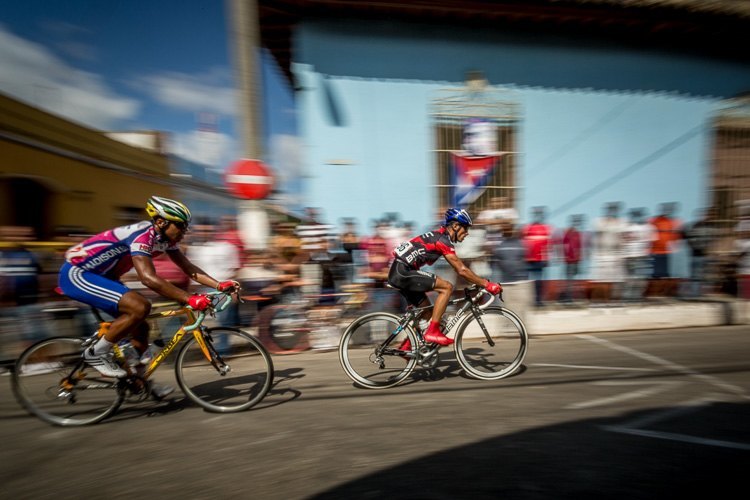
x=245, y=42
x=252, y=219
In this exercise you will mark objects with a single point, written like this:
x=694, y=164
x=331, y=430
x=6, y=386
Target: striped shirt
x=315, y=237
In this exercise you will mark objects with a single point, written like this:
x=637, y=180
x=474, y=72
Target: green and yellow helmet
x=171, y=210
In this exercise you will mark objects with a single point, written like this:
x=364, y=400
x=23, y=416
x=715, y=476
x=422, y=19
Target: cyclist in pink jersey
x=92, y=270
x=426, y=249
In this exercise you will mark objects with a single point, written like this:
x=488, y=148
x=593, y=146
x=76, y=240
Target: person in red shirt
x=668, y=232
x=378, y=254
x=537, y=237
x=571, y=247
x=426, y=249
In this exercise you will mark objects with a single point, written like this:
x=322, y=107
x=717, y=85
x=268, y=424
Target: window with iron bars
x=730, y=166
x=452, y=109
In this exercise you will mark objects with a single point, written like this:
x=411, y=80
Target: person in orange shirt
x=668, y=231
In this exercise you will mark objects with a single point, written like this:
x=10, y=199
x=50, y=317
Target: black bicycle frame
x=412, y=314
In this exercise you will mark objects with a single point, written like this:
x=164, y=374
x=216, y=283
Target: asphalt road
x=619, y=415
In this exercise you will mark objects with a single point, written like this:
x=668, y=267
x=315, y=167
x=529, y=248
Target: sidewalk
x=652, y=314
x=646, y=316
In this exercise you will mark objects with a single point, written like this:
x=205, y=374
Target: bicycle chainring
x=428, y=357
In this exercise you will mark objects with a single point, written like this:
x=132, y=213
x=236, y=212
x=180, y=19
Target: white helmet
x=170, y=210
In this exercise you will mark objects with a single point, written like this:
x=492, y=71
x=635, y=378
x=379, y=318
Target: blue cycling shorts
x=92, y=289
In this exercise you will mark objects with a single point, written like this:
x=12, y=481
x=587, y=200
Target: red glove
x=199, y=302
x=226, y=285
x=493, y=288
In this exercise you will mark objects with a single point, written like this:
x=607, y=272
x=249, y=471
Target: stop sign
x=249, y=179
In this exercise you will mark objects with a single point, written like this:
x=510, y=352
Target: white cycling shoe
x=103, y=363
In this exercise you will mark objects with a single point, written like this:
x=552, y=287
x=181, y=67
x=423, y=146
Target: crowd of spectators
x=620, y=256
x=623, y=256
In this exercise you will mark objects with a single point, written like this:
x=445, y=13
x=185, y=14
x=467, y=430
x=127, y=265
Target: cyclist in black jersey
x=425, y=249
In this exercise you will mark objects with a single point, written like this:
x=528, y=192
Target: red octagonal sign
x=249, y=179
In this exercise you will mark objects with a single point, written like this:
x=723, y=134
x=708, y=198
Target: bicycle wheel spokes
x=479, y=357
x=241, y=379
x=51, y=382
x=364, y=358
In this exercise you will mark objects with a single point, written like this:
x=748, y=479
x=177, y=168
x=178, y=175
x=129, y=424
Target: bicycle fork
x=476, y=313
x=206, y=343
x=481, y=324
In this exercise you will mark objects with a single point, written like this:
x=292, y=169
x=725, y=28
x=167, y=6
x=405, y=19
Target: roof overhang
x=715, y=27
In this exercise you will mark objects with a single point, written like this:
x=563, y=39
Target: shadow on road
x=280, y=395
x=276, y=396
x=659, y=453
x=447, y=367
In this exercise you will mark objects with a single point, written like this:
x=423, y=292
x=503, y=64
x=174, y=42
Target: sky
x=161, y=65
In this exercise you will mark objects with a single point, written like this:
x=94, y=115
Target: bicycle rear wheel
x=365, y=359
x=238, y=377
x=51, y=381
x=497, y=357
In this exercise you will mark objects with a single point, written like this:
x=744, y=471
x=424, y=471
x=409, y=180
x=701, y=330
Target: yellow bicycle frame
x=190, y=319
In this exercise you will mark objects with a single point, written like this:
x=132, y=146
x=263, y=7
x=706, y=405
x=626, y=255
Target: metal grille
x=730, y=183
x=451, y=109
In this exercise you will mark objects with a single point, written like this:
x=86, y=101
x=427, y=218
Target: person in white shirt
x=607, y=264
x=220, y=258
x=499, y=213
x=637, y=240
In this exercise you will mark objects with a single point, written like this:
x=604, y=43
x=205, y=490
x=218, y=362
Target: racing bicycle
x=490, y=342
x=220, y=369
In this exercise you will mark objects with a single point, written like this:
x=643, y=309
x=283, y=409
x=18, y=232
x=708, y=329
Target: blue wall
x=599, y=122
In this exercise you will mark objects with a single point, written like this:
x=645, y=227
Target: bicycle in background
x=220, y=369
x=310, y=321
x=490, y=342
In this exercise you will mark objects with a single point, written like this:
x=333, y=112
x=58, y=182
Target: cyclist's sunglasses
x=182, y=226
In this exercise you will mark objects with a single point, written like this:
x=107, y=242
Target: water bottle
x=148, y=355
x=444, y=322
x=129, y=353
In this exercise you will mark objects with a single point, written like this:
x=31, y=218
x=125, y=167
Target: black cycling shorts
x=412, y=283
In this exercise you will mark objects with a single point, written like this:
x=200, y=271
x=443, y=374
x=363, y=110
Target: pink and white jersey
x=110, y=253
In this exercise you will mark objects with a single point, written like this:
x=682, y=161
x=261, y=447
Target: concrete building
x=590, y=102
x=59, y=177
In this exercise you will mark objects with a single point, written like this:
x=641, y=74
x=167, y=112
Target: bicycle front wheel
x=238, y=376
x=369, y=360
x=492, y=345
x=51, y=381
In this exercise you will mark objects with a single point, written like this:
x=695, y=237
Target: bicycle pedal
x=137, y=388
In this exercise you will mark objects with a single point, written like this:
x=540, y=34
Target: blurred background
x=603, y=148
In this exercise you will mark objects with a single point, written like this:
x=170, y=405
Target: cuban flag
x=470, y=175
x=473, y=166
